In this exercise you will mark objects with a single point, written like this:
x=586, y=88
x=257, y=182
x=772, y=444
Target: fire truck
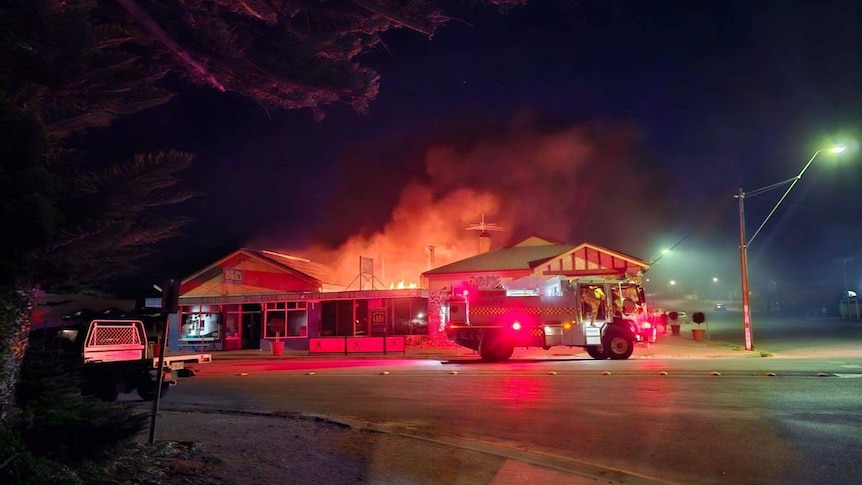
x=606, y=316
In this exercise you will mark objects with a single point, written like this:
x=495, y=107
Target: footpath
x=666, y=346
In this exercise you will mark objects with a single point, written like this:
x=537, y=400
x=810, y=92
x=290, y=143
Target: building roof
x=312, y=275
x=525, y=255
x=317, y=271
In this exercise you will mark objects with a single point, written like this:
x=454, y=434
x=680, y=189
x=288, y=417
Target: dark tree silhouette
x=71, y=65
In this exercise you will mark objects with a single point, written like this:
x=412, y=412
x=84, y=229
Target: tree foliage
x=72, y=65
x=78, y=226
x=82, y=63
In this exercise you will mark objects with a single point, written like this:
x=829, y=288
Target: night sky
x=627, y=124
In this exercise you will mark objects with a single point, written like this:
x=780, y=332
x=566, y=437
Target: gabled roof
x=629, y=259
x=318, y=271
x=315, y=274
x=530, y=253
x=524, y=255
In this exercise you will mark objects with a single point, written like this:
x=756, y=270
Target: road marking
x=848, y=376
x=515, y=472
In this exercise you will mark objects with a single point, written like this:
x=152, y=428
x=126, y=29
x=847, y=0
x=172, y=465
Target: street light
x=743, y=244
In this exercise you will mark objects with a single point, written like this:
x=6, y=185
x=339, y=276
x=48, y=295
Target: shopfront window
x=286, y=319
x=340, y=318
x=411, y=316
x=201, y=322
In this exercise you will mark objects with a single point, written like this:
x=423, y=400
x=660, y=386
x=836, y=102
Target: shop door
x=251, y=326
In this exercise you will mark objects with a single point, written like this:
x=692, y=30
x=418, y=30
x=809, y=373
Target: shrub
x=59, y=424
x=19, y=466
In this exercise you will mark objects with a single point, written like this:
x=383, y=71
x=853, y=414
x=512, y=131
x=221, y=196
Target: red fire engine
x=604, y=315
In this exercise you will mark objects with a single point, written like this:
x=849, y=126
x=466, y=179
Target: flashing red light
x=516, y=326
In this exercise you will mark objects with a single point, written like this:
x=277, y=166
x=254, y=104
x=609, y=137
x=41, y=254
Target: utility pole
x=743, y=264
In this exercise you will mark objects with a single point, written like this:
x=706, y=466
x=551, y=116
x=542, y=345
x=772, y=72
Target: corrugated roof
x=509, y=258
x=317, y=271
x=524, y=255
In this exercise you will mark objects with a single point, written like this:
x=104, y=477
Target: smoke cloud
x=587, y=183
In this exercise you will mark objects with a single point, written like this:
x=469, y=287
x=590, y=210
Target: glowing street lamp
x=743, y=244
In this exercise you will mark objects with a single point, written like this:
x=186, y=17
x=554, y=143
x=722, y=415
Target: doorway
x=251, y=325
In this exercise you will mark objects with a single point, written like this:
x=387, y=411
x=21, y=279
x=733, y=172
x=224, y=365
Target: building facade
x=251, y=298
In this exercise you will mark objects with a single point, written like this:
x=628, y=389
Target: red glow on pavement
x=519, y=392
x=265, y=366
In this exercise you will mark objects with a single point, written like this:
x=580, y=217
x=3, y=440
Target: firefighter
x=617, y=301
x=590, y=303
x=601, y=311
x=595, y=302
x=662, y=320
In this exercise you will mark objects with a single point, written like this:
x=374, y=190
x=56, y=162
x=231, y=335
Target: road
x=787, y=419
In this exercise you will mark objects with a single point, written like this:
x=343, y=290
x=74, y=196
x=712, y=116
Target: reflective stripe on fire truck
x=528, y=311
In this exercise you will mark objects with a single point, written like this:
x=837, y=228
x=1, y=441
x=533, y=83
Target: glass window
x=200, y=322
x=411, y=316
x=297, y=323
x=275, y=324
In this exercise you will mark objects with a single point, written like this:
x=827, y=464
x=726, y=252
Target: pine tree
x=72, y=65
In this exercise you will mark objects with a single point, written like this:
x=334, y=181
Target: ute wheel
x=496, y=349
x=597, y=352
x=617, y=345
x=108, y=392
x=147, y=388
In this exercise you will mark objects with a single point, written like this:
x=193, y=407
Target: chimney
x=484, y=242
x=430, y=257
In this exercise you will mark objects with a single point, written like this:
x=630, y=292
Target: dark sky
x=629, y=124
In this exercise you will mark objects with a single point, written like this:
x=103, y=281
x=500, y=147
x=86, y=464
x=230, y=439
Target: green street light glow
x=744, y=243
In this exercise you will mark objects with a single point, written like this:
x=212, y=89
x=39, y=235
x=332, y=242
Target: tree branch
x=156, y=31
x=392, y=16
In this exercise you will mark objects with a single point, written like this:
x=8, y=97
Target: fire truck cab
x=605, y=316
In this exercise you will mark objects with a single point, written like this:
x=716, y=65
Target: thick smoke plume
x=580, y=184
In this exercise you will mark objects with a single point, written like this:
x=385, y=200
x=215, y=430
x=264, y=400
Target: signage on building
x=366, y=266
x=378, y=321
x=232, y=275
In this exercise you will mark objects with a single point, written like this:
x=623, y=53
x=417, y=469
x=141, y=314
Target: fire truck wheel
x=617, y=345
x=496, y=349
x=597, y=352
